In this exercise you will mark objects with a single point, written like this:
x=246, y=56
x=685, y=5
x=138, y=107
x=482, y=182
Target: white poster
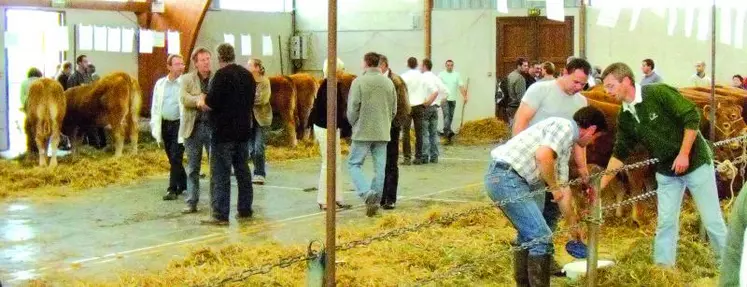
x=230, y=39
x=555, y=10
x=115, y=40
x=99, y=38
x=704, y=23
x=174, y=44
x=159, y=39
x=246, y=45
x=502, y=6
x=128, y=40
x=634, y=18
x=689, y=21
x=85, y=37
x=672, y=21
x=725, y=25
x=146, y=41
x=739, y=29
x=266, y=45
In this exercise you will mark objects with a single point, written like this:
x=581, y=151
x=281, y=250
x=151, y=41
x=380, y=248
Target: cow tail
x=136, y=102
x=293, y=96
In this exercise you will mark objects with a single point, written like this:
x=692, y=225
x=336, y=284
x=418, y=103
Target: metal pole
x=331, y=139
x=593, y=254
x=713, y=72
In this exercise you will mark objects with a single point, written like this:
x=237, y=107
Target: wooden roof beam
x=131, y=6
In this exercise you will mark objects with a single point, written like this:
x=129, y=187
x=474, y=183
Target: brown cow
x=114, y=101
x=283, y=102
x=45, y=111
x=306, y=87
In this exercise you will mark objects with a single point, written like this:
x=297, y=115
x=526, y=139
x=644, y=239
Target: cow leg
x=290, y=129
x=118, y=135
x=54, y=142
x=636, y=178
x=41, y=137
x=133, y=132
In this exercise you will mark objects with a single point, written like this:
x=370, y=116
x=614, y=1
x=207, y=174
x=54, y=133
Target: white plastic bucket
x=577, y=268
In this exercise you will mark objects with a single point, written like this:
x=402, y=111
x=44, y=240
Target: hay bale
x=484, y=131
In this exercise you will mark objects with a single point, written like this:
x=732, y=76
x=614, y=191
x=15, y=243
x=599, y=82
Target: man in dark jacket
x=230, y=101
x=391, y=171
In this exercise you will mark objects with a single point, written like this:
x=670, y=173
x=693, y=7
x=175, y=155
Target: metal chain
x=447, y=219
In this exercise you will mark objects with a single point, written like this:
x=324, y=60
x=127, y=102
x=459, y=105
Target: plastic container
x=577, y=268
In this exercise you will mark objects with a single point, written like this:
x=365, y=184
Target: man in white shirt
x=699, y=79
x=455, y=84
x=165, y=113
x=430, y=120
x=418, y=90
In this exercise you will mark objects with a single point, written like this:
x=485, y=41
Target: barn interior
x=95, y=220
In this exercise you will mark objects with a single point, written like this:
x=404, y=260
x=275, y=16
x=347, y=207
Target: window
x=256, y=5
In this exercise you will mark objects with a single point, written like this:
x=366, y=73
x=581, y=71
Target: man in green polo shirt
x=666, y=124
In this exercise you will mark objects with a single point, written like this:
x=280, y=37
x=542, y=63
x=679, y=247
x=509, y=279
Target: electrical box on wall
x=295, y=48
x=417, y=21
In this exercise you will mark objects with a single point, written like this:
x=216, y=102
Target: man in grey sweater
x=372, y=105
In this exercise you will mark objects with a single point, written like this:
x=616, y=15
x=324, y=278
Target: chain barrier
x=449, y=218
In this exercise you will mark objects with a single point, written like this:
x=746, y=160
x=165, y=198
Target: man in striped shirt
x=539, y=156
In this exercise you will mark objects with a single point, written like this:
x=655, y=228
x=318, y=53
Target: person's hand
x=583, y=174
x=681, y=163
x=557, y=194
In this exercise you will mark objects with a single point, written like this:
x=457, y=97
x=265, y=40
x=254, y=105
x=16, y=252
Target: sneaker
x=434, y=160
x=372, y=203
x=244, y=216
x=170, y=195
x=388, y=206
x=407, y=161
x=214, y=221
x=189, y=209
x=258, y=179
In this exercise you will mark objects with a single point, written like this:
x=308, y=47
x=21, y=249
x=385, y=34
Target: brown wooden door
x=534, y=38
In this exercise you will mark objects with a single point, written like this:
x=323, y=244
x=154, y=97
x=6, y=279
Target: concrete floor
x=116, y=229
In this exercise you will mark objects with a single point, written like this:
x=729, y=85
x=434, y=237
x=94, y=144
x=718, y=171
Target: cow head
x=729, y=122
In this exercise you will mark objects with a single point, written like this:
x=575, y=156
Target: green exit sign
x=59, y=3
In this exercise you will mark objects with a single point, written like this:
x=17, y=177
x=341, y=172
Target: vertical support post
x=582, y=30
x=593, y=254
x=428, y=9
x=713, y=72
x=331, y=140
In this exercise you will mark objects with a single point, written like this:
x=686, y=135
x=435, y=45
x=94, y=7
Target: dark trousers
x=391, y=171
x=551, y=212
x=96, y=137
x=416, y=113
x=448, y=111
x=223, y=156
x=175, y=153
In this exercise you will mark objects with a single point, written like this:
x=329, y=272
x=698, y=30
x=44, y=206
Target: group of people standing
x=226, y=113
x=554, y=123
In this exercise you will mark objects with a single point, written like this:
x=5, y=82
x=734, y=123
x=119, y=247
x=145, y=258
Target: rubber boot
x=539, y=270
x=521, y=276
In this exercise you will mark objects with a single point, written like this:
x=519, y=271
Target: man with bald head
x=700, y=79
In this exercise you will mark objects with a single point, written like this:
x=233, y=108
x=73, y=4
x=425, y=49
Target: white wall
x=675, y=56
x=216, y=23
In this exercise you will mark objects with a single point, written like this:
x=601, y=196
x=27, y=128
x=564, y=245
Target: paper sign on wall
x=174, y=47
x=502, y=6
x=704, y=23
x=159, y=39
x=726, y=25
x=555, y=10
x=689, y=21
x=146, y=41
x=99, y=38
x=127, y=40
x=672, y=21
x=246, y=45
x=230, y=39
x=266, y=45
x=85, y=37
x=739, y=29
x=115, y=40
x=608, y=16
x=11, y=39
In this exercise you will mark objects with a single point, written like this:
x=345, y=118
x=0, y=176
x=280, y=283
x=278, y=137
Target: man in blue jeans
x=372, y=105
x=658, y=117
x=539, y=155
x=230, y=102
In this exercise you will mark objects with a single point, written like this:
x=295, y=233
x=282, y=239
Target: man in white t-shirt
x=700, y=79
x=554, y=98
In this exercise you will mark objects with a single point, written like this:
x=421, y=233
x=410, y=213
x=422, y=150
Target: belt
x=502, y=165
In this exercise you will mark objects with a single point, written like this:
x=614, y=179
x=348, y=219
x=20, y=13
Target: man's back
x=231, y=99
x=372, y=105
x=516, y=88
x=415, y=86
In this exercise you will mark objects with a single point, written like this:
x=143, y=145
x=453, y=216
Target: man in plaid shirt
x=539, y=156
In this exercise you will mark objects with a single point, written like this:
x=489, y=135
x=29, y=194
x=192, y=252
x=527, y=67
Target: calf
x=45, y=110
x=113, y=101
x=283, y=102
x=306, y=87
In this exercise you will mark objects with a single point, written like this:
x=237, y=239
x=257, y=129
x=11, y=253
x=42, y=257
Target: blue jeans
x=257, y=150
x=225, y=155
x=702, y=185
x=502, y=182
x=358, y=152
x=193, y=145
x=448, y=111
x=430, y=133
